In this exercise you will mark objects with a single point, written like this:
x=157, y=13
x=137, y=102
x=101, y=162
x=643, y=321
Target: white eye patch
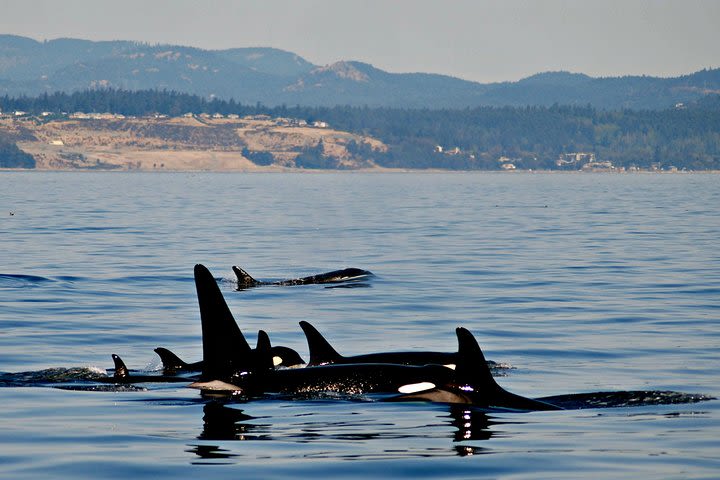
x=451, y=366
x=277, y=361
x=416, y=387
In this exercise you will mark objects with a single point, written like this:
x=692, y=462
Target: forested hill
x=275, y=77
x=556, y=137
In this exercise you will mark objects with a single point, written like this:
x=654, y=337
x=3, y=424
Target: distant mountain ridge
x=275, y=77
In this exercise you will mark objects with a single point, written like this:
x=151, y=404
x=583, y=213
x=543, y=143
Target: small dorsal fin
x=244, y=280
x=121, y=370
x=321, y=352
x=225, y=350
x=169, y=360
x=263, y=353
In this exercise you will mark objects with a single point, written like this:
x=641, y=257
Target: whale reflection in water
x=221, y=422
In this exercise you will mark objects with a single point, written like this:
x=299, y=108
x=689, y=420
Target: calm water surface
x=581, y=282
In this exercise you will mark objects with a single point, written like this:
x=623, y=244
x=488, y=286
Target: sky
x=479, y=40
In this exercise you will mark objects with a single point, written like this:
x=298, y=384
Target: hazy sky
x=482, y=40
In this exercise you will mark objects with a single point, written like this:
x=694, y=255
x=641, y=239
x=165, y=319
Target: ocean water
x=580, y=283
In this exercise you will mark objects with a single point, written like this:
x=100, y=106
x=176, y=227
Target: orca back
x=336, y=276
x=286, y=357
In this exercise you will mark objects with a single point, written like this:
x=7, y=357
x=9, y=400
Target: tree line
x=533, y=137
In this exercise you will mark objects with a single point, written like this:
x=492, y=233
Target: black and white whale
x=245, y=280
x=229, y=371
x=281, y=356
x=239, y=371
x=230, y=366
x=123, y=375
x=322, y=353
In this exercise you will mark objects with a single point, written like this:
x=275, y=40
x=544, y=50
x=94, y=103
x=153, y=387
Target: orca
x=245, y=280
x=322, y=353
x=230, y=366
x=474, y=383
x=172, y=363
x=239, y=372
x=123, y=376
x=282, y=357
x=225, y=350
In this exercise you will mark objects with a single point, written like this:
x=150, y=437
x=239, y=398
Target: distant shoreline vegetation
x=686, y=137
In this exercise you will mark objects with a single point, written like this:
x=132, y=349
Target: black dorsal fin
x=471, y=367
x=225, y=350
x=321, y=352
x=169, y=360
x=121, y=371
x=244, y=280
x=474, y=378
x=263, y=353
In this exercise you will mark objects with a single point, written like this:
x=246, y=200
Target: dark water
x=583, y=283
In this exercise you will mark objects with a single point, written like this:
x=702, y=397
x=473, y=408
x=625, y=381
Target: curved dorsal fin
x=244, y=280
x=472, y=368
x=225, y=350
x=473, y=377
x=169, y=360
x=321, y=352
x=121, y=370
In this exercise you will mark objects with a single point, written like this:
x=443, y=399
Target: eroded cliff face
x=110, y=142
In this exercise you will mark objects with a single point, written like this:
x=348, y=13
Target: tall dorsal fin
x=121, y=371
x=244, y=280
x=225, y=350
x=473, y=377
x=472, y=368
x=321, y=352
x=169, y=360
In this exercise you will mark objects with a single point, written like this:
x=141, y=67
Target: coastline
x=375, y=170
x=256, y=143
x=253, y=144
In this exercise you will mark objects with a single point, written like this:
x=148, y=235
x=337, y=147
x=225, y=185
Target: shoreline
x=185, y=144
x=375, y=170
